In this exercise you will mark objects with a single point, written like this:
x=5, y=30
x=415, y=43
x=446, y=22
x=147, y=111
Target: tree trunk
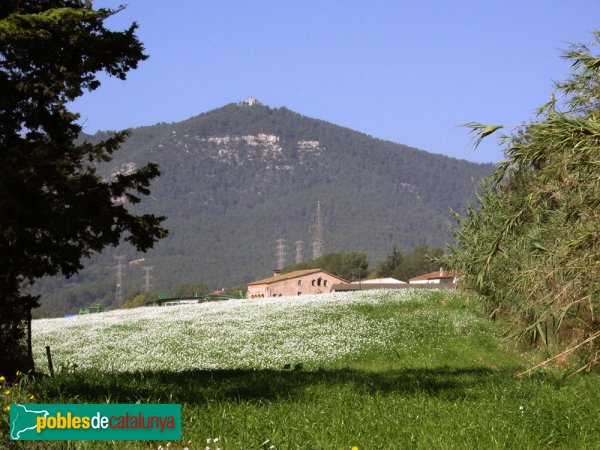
x=16, y=353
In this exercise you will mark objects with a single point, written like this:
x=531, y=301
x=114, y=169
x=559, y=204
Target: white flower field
x=379, y=369
x=261, y=334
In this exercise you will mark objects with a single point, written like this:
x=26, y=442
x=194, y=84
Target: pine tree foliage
x=532, y=247
x=54, y=208
x=420, y=260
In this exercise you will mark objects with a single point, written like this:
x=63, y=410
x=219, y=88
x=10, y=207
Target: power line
x=280, y=253
x=298, y=251
x=317, y=241
x=147, y=277
x=120, y=274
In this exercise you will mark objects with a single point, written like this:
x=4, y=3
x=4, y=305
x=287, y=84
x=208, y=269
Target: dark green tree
x=141, y=299
x=55, y=209
x=237, y=290
x=390, y=264
x=421, y=259
x=188, y=290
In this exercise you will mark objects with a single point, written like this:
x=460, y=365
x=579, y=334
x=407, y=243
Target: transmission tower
x=317, y=241
x=147, y=277
x=280, y=254
x=119, y=287
x=298, y=252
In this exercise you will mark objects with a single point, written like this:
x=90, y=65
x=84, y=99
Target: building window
x=318, y=282
x=324, y=282
x=313, y=282
x=299, y=282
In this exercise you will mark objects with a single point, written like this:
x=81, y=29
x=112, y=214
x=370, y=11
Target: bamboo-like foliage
x=531, y=247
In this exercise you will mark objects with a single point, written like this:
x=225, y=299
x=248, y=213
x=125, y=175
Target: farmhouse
x=299, y=282
x=440, y=277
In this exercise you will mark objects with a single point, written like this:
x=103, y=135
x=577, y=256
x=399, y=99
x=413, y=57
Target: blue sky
x=407, y=71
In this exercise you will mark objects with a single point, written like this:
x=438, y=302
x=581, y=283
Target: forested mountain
x=236, y=179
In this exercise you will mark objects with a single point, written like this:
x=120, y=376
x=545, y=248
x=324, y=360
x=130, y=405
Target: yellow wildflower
x=1, y=378
x=31, y=397
x=7, y=408
x=7, y=392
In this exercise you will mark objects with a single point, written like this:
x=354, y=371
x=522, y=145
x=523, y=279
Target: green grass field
x=378, y=370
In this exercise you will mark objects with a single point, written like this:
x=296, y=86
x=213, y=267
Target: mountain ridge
x=236, y=178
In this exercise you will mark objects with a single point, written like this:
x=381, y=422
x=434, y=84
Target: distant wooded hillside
x=236, y=179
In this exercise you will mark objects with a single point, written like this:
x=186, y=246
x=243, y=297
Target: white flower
x=237, y=334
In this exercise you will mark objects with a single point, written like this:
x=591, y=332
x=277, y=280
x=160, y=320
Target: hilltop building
x=299, y=282
x=250, y=101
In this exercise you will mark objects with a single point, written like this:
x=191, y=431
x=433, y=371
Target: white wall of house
x=380, y=281
x=434, y=281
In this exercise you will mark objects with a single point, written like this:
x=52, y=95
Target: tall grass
x=532, y=247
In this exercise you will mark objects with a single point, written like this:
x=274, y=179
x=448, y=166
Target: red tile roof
x=294, y=274
x=434, y=275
